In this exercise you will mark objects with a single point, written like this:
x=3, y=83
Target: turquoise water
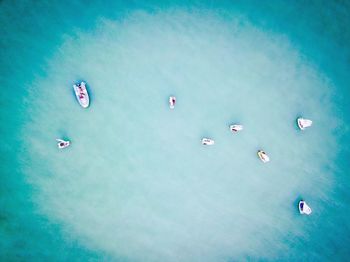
x=136, y=184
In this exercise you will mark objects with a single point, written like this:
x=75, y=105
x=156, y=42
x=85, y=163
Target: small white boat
x=62, y=143
x=304, y=209
x=207, y=141
x=263, y=156
x=303, y=123
x=172, y=101
x=236, y=128
x=82, y=94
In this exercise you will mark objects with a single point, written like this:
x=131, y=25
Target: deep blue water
x=136, y=185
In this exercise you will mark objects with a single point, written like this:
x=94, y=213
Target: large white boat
x=207, y=141
x=82, y=94
x=236, y=128
x=304, y=209
x=172, y=102
x=303, y=123
x=62, y=143
x=263, y=156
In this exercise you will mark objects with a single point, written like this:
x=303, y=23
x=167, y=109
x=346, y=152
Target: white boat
x=236, y=128
x=172, y=101
x=207, y=141
x=304, y=209
x=263, y=156
x=82, y=94
x=303, y=123
x=62, y=143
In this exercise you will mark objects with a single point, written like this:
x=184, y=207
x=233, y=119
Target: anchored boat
x=304, y=209
x=236, y=128
x=82, y=94
x=303, y=123
x=172, y=102
x=62, y=143
x=263, y=156
x=207, y=141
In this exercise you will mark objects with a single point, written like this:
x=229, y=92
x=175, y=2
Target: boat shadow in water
x=62, y=134
x=296, y=204
x=295, y=123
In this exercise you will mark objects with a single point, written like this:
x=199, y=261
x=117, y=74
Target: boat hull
x=81, y=94
x=207, y=142
x=236, y=128
x=263, y=156
x=303, y=123
x=172, y=102
x=62, y=143
x=304, y=209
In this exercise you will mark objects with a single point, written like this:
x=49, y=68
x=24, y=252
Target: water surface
x=136, y=184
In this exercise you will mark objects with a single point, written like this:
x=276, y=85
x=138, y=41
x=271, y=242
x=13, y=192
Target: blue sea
x=136, y=184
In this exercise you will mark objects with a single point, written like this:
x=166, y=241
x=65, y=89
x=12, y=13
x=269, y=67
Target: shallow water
x=136, y=184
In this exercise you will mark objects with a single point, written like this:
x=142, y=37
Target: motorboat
x=62, y=143
x=236, y=128
x=172, y=101
x=81, y=94
x=303, y=123
x=304, y=209
x=208, y=142
x=263, y=156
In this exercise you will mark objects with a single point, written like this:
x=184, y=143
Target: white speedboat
x=172, y=102
x=263, y=156
x=303, y=123
x=304, y=209
x=82, y=94
x=62, y=143
x=208, y=142
x=236, y=128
